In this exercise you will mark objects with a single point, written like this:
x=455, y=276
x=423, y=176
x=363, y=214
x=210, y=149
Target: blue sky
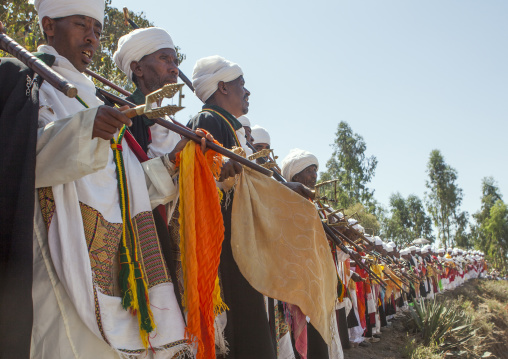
x=409, y=76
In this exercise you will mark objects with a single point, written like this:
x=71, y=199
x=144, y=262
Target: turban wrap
x=139, y=43
x=260, y=135
x=244, y=120
x=209, y=71
x=62, y=8
x=296, y=161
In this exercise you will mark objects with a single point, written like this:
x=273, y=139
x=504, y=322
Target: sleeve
x=66, y=151
x=159, y=174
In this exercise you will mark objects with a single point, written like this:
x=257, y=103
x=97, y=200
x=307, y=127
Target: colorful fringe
x=201, y=233
x=132, y=284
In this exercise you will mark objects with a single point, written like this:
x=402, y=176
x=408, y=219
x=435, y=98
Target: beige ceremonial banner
x=280, y=247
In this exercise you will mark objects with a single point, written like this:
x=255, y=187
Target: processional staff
x=55, y=79
x=60, y=83
x=244, y=161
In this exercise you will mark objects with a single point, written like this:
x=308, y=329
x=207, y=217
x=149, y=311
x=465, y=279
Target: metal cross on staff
x=167, y=91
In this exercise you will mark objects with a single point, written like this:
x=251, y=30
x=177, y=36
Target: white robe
x=68, y=302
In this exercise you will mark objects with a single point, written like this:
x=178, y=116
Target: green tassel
x=124, y=280
x=144, y=311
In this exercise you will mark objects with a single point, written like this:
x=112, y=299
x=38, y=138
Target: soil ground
x=489, y=298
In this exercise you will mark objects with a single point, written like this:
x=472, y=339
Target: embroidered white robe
x=77, y=308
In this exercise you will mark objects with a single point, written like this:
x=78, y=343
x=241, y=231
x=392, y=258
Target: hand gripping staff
x=53, y=78
x=154, y=114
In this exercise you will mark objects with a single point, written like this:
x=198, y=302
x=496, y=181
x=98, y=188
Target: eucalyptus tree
x=443, y=198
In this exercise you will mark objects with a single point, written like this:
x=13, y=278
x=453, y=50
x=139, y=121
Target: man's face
x=75, y=37
x=156, y=70
x=248, y=134
x=238, y=97
x=307, y=177
x=261, y=146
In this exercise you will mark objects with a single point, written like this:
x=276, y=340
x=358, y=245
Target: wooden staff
x=186, y=132
x=339, y=244
x=108, y=83
x=182, y=76
x=393, y=280
x=52, y=77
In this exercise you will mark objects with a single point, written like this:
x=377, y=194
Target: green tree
x=352, y=168
x=463, y=236
x=408, y=220
x=443, y=198
x=496, y=231
x=490, y=231
x=21, y=22
x=368, y=220
x=490, y=195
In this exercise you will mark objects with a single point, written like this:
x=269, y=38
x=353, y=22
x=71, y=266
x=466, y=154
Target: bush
x=443, y=324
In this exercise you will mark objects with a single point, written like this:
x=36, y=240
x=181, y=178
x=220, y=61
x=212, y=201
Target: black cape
x=247, y=331
x=19, y=112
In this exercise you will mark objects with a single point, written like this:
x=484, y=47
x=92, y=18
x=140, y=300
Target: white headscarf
x=62, y=8
x=244, y=120
x=296, y=161
x=139, y=43
x=260, y=135
x=209, y=71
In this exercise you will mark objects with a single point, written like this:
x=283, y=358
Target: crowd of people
x=122, y=239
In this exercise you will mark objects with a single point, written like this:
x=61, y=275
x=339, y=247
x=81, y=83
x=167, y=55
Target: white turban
x=369, y=238
x=296, y=161
x=244, y=120
x=62, y=8
x=412, y=248
x=359, y=228
x=389, y=248
x=260, y=135
x=441, y=251
x=209, y=71
x=139, y=43
x=379, y=242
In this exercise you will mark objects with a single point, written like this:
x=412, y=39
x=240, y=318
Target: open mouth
x=88, y=54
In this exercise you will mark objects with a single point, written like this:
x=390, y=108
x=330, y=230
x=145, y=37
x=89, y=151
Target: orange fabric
x=202, y=233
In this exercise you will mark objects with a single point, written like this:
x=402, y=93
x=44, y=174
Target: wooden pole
x=47, y=73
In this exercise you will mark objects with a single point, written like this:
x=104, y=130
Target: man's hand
x=356, y=277
x=230, y=168
x=301, y=189
x=108, y=120
x=183, y=142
